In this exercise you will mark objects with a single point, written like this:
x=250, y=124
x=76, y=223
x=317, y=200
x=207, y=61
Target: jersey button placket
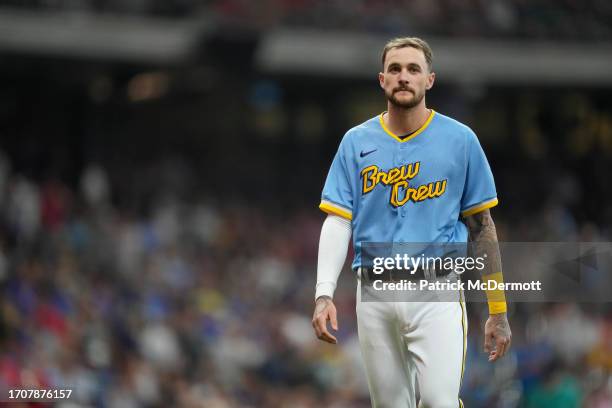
x=397, y=162
x=400, y=160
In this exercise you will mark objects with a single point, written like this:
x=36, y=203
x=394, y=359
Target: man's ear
x=381, y=80
x=430, y=80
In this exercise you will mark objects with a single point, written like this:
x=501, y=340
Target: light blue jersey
x=410, y=190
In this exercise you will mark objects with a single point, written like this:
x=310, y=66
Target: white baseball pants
x=403, y=343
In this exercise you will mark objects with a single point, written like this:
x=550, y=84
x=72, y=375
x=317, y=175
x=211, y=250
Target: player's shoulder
x=453, y=127
x=363, y=130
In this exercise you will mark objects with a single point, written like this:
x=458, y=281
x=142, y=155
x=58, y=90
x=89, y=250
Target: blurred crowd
x=192, y=306
x=533, y=19
x=206, y=303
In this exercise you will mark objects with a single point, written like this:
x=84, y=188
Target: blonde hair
x=413, y=42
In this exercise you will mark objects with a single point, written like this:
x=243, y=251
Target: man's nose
x=403, y=76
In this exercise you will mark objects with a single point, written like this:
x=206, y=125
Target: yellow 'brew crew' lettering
x=398, y=177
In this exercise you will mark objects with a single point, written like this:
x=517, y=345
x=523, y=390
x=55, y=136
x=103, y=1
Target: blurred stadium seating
x=160, y=170
x=562, y=20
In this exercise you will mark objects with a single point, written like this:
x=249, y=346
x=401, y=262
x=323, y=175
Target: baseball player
x=407, y=175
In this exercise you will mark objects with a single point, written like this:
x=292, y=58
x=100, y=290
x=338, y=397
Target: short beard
x=406, y=104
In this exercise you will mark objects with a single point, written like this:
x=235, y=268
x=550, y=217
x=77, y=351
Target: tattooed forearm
x=484, y=240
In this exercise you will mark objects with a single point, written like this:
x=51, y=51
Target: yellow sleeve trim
x=329, y=208
x=496, y=298
x=480, y=207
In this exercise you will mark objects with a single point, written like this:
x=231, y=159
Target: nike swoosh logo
x=364, y=154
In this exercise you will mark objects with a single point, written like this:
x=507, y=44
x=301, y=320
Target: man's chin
x=404, y=103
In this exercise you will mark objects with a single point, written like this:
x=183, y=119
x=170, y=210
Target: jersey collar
x=414, y=134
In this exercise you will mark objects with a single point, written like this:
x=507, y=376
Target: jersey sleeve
x=337, y=196
x=479, y=191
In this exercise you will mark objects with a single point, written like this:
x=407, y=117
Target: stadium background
x=161, y=166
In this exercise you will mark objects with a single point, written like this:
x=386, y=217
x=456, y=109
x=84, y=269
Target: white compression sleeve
x=333, y=247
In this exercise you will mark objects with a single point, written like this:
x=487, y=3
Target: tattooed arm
x=484, y=241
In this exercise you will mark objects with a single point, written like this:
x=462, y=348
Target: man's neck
x=404, y=121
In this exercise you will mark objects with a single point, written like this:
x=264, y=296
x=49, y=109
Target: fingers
x=319, y=323
x=488, y=342
x=502, y=345
x=322, y=332
x=497, y=336
x=333, y=319
x=329, y=338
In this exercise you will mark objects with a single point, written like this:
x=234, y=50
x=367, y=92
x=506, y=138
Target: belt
x=396, y=275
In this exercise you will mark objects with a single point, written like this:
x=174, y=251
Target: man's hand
x=497, y=336
x=324, y=311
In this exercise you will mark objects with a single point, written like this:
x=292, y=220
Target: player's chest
x=409, y=171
